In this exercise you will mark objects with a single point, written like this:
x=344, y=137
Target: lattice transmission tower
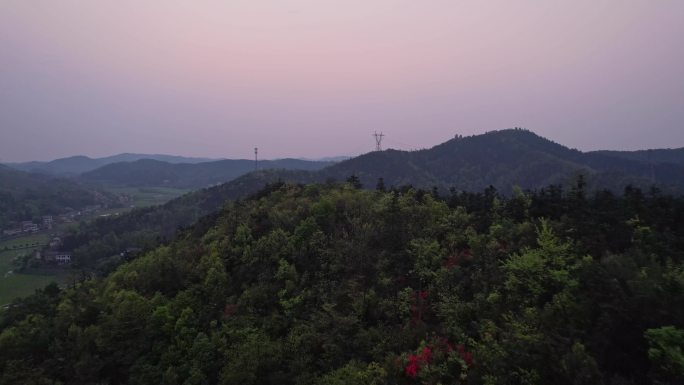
x=378, y=141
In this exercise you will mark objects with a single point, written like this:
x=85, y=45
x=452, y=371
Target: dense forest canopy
x=97, y=244
x=330, y=284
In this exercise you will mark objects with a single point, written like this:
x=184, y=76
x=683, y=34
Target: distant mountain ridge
x=149, y=172
x=502, y=158
x=79, y=164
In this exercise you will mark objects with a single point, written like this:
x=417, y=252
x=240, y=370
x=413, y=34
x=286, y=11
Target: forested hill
x=334, y=285
x=504, y=159
x=98, y=243
x=27, y=196
x=501, y=158
x=75, y=165
x=147, y=172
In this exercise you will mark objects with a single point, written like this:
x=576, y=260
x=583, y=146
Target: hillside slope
x=98, y=243
x=674, y=155
x=27, y=196
x=333, y=285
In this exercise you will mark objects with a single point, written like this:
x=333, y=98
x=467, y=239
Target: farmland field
x=13, y=285
x=149, y=196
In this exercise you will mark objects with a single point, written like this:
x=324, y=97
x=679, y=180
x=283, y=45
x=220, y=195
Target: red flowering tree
x=436, y=361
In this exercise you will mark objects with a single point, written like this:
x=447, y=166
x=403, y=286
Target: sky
x=315, y=78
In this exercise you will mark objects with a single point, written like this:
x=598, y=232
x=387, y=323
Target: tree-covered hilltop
x=329, y=284
x=508, y=158
x=98, y=244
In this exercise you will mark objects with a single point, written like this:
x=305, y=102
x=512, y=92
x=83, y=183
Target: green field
x=32, y=241
x=149, y=196
x=13, y=285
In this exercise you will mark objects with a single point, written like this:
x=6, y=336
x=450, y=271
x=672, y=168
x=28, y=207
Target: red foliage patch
x=442, y=347
x=230, y=309
x=418, y=306
x=466, y=356
x=412, y=367
x=451, y=261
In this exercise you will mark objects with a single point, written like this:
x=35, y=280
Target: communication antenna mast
x=378, y=141
x=256, y=158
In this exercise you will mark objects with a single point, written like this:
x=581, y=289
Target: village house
x=11, y=232
x=55, y=243
x=65, y=218
x=63, y=258
x=92, y=208
x=29, y=227
x=47, y=222
x=130, y=252
x=57, y=257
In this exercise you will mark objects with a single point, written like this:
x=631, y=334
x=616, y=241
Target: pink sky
x=311, y=78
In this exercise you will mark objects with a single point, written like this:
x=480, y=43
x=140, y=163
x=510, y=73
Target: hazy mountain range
x=502, y=159
x=79, y=164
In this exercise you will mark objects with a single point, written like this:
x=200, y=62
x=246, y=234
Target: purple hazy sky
x=314, y=78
